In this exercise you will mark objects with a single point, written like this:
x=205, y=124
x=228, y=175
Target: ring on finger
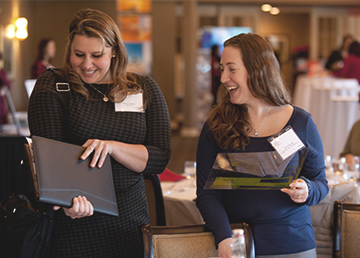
x=299, y=197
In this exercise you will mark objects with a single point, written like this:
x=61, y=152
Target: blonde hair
x=230, y=123
x=94, y=23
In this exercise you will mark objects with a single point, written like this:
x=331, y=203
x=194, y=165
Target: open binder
x=59, y=175
x=255, y=170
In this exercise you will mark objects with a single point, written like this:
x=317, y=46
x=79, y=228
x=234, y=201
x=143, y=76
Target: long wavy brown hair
x=230, y=123
x=94, y=23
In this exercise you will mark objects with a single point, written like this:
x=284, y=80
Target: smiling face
x=234, y=76
x=90, y=60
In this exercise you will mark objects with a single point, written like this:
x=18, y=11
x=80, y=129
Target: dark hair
x=230, y=123
x=354, y=48
x=345, y=38
x=42, y=48
x=214, y=49
x=96, y=24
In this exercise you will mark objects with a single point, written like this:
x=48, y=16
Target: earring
x=113, y=55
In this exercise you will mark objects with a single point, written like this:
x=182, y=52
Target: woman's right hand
x=81, y=208
x=224, y=248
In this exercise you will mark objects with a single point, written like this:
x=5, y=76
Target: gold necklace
x=105, y=99
x=267, y=113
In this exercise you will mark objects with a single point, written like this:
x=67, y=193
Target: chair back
x=12, y=110
x=346, y=230
x=194, y=241
x=29, y=86
x=155, y=200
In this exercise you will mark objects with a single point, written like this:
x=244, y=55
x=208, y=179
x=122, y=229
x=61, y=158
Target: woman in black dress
x=137, y=141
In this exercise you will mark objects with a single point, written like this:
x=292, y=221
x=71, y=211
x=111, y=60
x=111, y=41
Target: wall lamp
x=18, y=29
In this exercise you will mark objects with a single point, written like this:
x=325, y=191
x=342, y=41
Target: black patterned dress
x=103, y=235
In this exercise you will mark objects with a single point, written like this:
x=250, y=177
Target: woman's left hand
x=100, y=149
x=298, y=191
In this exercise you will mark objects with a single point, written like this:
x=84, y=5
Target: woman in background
x=335, y=60
x=138, y=142
x=352, y=145
x=215, y=72
x=351, y=64
x=46, y=51
x=254, y=106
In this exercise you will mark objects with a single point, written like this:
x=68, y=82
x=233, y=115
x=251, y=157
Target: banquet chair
x=346, y=230
x=155, y=200
x=19, y=118
x=193, y=241
x=29, y=86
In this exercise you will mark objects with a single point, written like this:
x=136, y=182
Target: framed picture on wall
x=281, y=45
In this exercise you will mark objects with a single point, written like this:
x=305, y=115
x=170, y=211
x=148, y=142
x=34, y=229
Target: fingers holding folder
x=81, y=208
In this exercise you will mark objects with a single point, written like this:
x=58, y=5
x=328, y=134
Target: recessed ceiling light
x=266, y=7
x=275, y=11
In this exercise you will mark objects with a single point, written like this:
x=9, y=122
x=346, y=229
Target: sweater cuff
x=307, y=181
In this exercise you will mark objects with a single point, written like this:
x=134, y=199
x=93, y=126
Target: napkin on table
x=170, y=176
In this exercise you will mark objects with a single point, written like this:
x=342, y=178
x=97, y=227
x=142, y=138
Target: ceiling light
x=266, y=7
x=275, y=11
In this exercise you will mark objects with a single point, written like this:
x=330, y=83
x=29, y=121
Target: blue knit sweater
x=280, y=226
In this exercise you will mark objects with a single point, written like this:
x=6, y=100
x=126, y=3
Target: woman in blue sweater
x=255, y=105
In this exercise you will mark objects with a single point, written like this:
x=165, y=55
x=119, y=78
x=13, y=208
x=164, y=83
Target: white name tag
x=286, y=142
x=132, y=103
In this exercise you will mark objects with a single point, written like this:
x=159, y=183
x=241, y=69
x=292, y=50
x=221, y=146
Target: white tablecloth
x=179, y=203
x=333, y=103
x=180, y=209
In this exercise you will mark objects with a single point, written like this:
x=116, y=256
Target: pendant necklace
x=105, y=99
x=267, y=113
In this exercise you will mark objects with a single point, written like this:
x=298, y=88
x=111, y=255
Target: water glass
x=351, y=171
x=190, y=169
x=329, y=163
x=338, y=166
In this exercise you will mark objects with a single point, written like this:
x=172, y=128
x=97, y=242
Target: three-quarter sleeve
x=158, y=131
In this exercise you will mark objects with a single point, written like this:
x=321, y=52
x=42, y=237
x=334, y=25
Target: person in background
x=46, y=51
x=351, y=67
x=255, y=105
x=4, y=82
x=335, y=60
x=215, y=72
x=352, y=145
x=138, y=142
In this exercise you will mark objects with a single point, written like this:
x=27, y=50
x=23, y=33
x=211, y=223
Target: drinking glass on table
x=329, y=166
x=190, y=169
x=338, y=166
x=351, y=171
x=329, y=163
